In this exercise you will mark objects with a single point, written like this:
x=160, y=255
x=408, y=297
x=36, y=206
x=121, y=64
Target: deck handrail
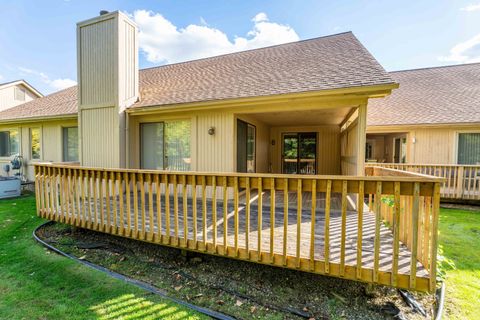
x=460, y=182
x=290, y=221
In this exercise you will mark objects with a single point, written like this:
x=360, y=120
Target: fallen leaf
x=82, y=258
x=220, y=302
x=252, y=309
x=238, y=303
x=178, y=288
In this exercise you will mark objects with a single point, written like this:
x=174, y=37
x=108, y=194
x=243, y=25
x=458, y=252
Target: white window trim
x=455, y=142
x=30, y=156
x=19, y=130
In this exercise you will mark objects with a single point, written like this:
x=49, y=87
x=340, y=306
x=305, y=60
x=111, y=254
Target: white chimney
x=107, y=66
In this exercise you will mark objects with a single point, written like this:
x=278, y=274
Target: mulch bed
x=241, y=289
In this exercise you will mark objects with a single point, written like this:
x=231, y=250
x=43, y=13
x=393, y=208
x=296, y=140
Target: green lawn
x=460, y=241
x=38, y=284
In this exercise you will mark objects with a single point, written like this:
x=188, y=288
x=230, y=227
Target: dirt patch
x=241, y=289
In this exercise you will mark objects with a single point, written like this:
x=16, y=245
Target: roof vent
x=103, y=12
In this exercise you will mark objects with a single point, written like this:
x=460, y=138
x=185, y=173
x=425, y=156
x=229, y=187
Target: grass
x=460, y=241
x=38, y=284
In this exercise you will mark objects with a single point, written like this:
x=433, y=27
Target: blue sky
x=37, y=39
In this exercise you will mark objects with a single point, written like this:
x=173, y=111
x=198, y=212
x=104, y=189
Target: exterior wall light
x=211, y=131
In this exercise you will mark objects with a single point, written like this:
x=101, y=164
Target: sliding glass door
x=299, y=154
x=165, y=145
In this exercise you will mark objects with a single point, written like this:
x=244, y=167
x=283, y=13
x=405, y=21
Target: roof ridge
x=436, y=67
x=248, y=50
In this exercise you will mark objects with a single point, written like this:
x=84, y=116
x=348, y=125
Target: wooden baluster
x=49, y=194
x=114, y=202
x=151, y=221
x=141, y=181
x=89, y=191
x=235, y=216
x=204, y=214
x=107, y=200
x=312, y=225
x=378, y=217
x=328, y=196
x=95, y=200
x=259, y=218
x=299, y=221
x=167, y=208
x=225, y=215
x=396, y=232
x=119, y=183
x=128, y=209
x=426, y=232
x=285, y=220
x=45, y=195
x=370, y=202
x=272, y=216
x=175, y=209
x=344, y=228
x=434, y=236
x=78, y=186
x=135, y=205
x=159, y=207
x=360, y=204
x=247, y=216
x=63, y=186
x=185, y=211
x=37, y=187
x=414, y=230
x=214, y=213
x=101, y=208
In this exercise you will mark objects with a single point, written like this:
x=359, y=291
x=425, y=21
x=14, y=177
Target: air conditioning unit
x=9, y=187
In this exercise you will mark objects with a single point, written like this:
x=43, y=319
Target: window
x=35, y=143
x=70, y=144
x=19, y=94
x=468, y=148
x=165, y=145
x=9, y=143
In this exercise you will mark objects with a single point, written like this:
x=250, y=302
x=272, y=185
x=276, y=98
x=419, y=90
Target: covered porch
x=343, y=226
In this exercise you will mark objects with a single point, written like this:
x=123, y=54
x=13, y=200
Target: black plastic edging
x=441, y=302
x=140, y=284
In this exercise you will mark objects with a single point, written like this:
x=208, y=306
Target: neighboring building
x=288, y=108
x=433, y=118
x=16, y=92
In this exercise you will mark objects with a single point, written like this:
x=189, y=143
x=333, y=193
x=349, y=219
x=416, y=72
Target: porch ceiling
x=305, y=117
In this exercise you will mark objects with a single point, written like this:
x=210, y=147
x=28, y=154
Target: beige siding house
x=16, y=92
x=281, y=109
x=256, y=155
x=433, y=118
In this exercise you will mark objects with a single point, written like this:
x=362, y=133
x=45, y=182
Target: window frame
x=164, y=121
x=19, y=132
x=64, y=129
x=456, y=142
x=40, y=142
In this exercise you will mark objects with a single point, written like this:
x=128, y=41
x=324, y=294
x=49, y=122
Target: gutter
x=37, y=119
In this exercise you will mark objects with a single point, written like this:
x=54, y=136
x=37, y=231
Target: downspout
x=127, y=140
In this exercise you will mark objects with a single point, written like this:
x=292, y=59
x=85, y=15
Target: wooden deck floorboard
x=386, y=247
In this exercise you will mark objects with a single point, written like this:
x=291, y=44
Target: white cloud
x=56, y=84
x=471, y=7
x=465, y=52
x=59, y=84
x=163, y=42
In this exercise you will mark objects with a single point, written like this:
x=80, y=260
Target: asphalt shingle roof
x=438, y=95
x=331, y=62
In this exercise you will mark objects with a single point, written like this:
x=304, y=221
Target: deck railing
x=319, y=224
x=462, y=182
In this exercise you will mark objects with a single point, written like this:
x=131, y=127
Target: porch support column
x=361, y=138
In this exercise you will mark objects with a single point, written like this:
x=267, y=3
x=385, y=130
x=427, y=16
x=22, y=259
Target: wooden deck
x=320, y=236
